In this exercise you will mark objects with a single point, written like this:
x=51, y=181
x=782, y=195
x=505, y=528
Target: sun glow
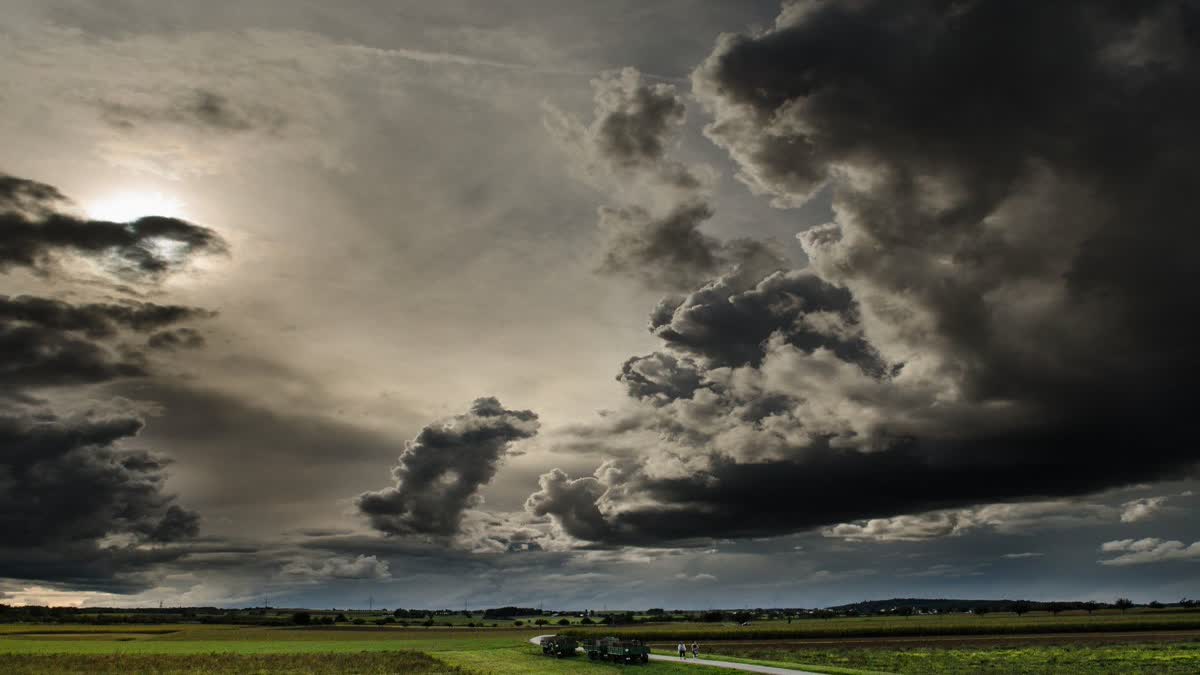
x=126, y=207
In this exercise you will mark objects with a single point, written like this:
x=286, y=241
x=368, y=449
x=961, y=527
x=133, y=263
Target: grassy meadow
x=912, y=626
x=237, y=649
x=1148, y=658
x=210, y=648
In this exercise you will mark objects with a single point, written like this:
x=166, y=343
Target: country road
x=745, y=667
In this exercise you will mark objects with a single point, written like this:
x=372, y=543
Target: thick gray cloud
x=999, y=310
x=76, y=507
x=45, y=342
x=441, y=470
x=655, y=237
x=572, y=504
x=660, y=376
x=178, y=338
x=667, y=251
x=36, y=233
x=727, y=321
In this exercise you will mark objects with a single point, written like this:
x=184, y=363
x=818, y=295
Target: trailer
x=559, y=646
x=616, y=650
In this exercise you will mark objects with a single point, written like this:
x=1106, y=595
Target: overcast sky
x=621, y=304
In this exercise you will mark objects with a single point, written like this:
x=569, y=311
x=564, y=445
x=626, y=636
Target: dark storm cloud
x=75, y=507
x=35, y=233
x=1002, y=308
x=660, y=376
x=667, y=252
x=639, y=120
x=46, y=342
x=441, y=470
x=727, y=321
x=572, y=502
x=95, y=319
x=656, y=238
x=179, y=338
x=199, y=108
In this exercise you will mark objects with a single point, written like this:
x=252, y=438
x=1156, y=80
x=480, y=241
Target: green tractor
x=616, y=650
x=559, y=646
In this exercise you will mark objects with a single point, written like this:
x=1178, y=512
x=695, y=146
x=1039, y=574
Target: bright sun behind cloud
x=124, y=207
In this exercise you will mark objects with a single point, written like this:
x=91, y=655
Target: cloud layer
x=37, y=233
x=998, y=310
x=439, y=474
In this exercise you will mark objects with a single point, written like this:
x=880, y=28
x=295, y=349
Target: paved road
x=745, y=667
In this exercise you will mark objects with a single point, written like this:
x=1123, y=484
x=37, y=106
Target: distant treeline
x=953, y=606
x=140, y=615
x=510, y=612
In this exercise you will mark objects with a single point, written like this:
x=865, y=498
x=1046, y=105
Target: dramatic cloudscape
x=683, y=303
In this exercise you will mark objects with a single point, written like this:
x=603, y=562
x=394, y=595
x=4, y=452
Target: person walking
x=695, y=651
x=682, y=651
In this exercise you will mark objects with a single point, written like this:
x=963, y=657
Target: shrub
x=301, y=618
x=564, y=622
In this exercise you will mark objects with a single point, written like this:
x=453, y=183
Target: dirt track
x=961, y=640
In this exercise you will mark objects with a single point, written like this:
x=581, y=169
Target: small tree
x=982, y=610
x=1091, y=606
x=340, y=618
x=541, y=622
x=302, y=618
x=585, y=621
x=518, y=622
x=564, y=622
x=1123, y=604
x=1056, y=607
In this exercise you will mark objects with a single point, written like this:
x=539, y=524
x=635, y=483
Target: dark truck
x=559, y=646
x=616, y=650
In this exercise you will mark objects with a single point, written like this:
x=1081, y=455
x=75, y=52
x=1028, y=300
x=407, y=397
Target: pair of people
x=683, y=650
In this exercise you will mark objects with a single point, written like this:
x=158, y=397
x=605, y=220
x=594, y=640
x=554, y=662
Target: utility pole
x=371, y=603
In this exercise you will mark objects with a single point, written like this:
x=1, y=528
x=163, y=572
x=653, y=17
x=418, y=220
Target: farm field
x=917, y=626
x=940, y=644
x=1167, y=658
x=233, y=649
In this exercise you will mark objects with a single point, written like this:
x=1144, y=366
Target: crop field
x=235, y=649
x=1165, y=658
x=934, y=625
x=916, y=645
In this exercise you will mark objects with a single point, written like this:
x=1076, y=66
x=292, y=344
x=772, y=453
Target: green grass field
x=1165, y=658
x=956, y=624
x=85, y=664
x=233, y=649
x=192, y=648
